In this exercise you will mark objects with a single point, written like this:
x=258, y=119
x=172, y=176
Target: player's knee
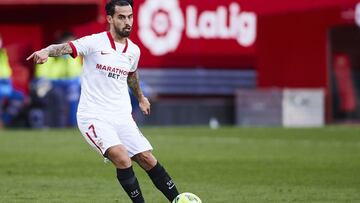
x=146, y=160
x=122, y=163
x=119, y=157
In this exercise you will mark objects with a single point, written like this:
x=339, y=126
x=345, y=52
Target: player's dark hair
x=110, y=6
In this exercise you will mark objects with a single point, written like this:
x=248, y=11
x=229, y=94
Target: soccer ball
x=186, y=197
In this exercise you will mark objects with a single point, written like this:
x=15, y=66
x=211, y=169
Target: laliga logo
x=161, y=23
x=213, y=24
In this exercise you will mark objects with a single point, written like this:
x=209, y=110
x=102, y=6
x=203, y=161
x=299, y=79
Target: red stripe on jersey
x=87, y=134
x=74, y=53
x=126, y=46
x=111, y=39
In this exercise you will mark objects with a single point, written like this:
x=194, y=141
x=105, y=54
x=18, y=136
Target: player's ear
x=109, y=18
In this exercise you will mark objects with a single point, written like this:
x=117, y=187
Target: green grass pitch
x=220, y=166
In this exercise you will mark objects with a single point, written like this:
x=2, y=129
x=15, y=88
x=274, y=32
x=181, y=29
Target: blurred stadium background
x=229, y=63
x=240, y=62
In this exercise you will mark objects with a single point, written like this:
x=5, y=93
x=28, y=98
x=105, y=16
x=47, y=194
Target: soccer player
x=104, y=112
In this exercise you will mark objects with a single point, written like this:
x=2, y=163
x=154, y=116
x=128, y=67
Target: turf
x=225, y=165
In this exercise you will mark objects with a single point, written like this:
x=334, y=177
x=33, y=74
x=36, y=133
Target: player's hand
x=40, y=56
x=144, y=105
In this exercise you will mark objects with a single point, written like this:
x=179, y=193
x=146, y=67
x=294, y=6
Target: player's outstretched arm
x=133, y=82
x=42, y=55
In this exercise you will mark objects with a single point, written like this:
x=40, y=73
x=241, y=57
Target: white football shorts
x=103, y=133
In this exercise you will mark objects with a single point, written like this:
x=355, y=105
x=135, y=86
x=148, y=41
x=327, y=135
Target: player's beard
x=124, y=32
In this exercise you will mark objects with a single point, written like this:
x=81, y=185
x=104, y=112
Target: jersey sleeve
x=136, y=60
x=82, y=46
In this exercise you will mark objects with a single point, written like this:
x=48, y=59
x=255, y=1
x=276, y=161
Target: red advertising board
x=211, y=34
x=174, y=33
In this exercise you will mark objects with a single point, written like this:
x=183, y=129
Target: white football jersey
x=106, y=66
